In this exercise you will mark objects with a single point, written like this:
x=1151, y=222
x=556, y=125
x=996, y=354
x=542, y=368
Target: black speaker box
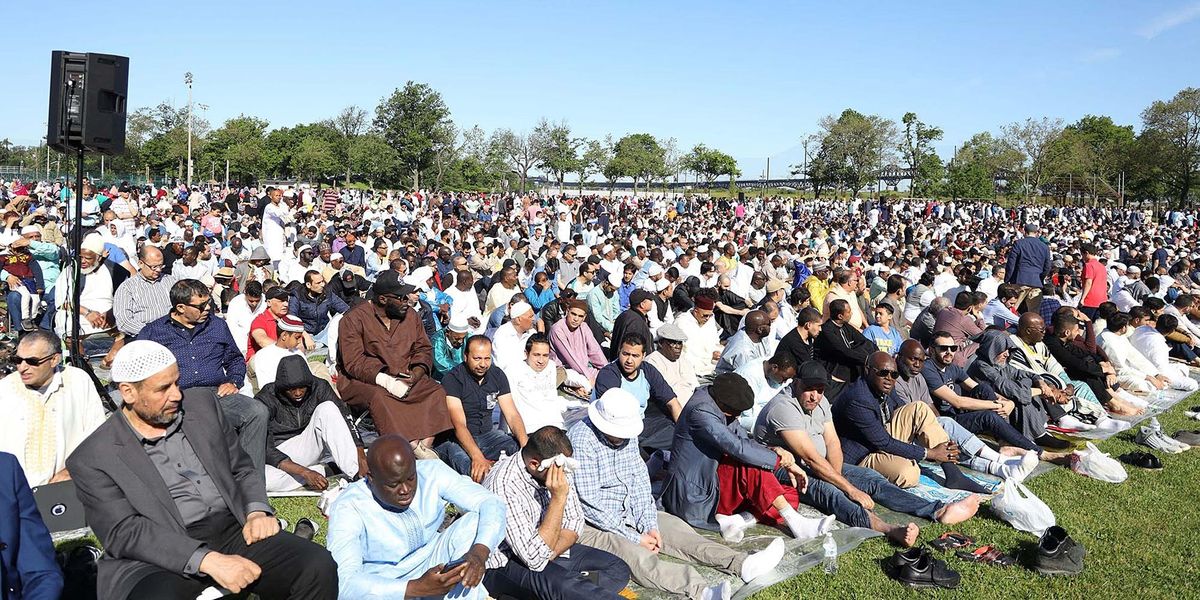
x=88, y=94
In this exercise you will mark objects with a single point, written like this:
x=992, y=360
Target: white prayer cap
x=420, y=277
x=139, y=360
x=519, y=309
x=661, y=285
x=654, y=271
x=93, y=243
x=336, y=256
x=459, y=324
x=28, y=229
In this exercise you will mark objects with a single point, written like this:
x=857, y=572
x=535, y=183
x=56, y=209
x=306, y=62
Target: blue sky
x=749, y=78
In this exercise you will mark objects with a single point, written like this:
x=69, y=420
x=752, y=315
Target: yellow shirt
x=817, y=288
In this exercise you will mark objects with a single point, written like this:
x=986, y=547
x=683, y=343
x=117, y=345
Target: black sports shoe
x=305, y=529
x=917, y=568
x=1143, y=460
x=1058, y=554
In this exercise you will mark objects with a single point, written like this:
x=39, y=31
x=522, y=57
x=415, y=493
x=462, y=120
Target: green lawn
x=1140, y=536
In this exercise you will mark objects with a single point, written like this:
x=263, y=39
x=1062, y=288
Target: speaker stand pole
x=78, y=356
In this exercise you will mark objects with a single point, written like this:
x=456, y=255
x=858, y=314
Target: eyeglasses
x=29, y=360
x=887, y=373
x=202, y=306
x=157, y=267
x=949, y=348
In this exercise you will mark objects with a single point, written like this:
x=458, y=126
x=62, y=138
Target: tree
x=241, y=141
x=596, y=160
x=482, y=163
x=558, y=152
x=978, y=161
x=638, y=156
x=1093, y=151
x=445, y=152
x=373, y=159
x=351, y=122
x=855, y=146
x=1170, y=140
x=708, y=164
x=519, y=152
x=314, y=158
x=1041, y=157
x=413, y=121
x=916, y=150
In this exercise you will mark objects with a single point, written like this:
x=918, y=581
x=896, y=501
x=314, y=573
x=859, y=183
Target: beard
x=397, y=313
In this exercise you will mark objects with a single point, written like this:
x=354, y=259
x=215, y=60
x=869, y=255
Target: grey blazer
x=127, y=503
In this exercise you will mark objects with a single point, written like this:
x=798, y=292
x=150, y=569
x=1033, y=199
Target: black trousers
x=292, y=567
x=588, y=573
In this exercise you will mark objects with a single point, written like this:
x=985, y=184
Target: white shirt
x=535, y=394
x=239, y=316
x=701, y=343
x=266, y=364
x=508, y=346
x=77, y=409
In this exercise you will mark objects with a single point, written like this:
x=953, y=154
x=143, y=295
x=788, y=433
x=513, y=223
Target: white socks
x=1016, y=469
x=760, y=563
x=720, y=591
x=986, y=453
x=805, y=528
x=733, y=527
x=1109, y=425
x=1069, y=422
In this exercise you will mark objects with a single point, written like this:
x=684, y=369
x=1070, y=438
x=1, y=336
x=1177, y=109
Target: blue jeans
x=986, y=421
x=491, y=443
x=564, y=578
x=14, y=311
x=826, y=498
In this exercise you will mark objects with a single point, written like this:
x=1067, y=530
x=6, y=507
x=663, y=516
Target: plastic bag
x=1091, y=462
x=1021, y=509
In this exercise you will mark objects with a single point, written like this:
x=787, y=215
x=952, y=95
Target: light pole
x=187, y=78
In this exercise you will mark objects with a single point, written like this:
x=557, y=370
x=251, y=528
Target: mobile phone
x=450, y=566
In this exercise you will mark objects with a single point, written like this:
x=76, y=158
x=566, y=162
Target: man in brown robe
x=384, y=361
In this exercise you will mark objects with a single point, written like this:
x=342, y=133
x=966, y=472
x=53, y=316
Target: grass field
x=1140, y=535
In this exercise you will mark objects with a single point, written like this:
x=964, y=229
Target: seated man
x=1035, y=402
x=384, y=361
x=717, y=471
x=264, y=328
x=473, y=389
x=508, y=343
x=448, y=346
x=614, y=490
x=703, y=346
x=981, y=412
x=766, y=376
x=1134, y=370
x=1087, y=367
x=175, y=501
x=840, y=348
x=384, y=529
x=288, y=342
x=27, y=564
x=1029, y=353
x=880, y=432
x=540, y=556
x=660, y=406
x=534, y=382
x=667, y=359
x=1150, y=340
x=307, y=420
x=49, y=408
x=801, y=420
x=635, y=319
x=1009, y=462
x=209, y=358
x=752, y=342
x=572, y=343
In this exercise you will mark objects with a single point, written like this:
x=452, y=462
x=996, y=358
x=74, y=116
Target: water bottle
x=829, y=562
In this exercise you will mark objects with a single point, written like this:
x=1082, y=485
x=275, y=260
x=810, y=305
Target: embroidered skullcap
x=290, y=323
x=139, y=360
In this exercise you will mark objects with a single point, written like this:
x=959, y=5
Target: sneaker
x=306, y=529
x=1192, y=413
x=920, y=569
x=1191, y=438
x=1155, y=440
x=1058, y=554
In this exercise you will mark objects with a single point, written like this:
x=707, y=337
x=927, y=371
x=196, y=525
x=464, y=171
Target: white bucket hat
x=617, y=413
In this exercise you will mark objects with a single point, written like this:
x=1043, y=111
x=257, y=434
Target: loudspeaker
x=741, y=196
x=87, y=102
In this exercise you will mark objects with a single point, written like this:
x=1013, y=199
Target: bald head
x=938, y=305
x=1031, y=328
x=881, y=360
x=756, y=318
x=392, y=467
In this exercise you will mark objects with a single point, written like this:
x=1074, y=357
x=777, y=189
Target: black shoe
x=1058, y=554
x=305, y=529
x=1144, y=460
x=1050, y=442
x=921, y=570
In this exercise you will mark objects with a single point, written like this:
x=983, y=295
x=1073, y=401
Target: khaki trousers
x=914, y=423
x=679, y=540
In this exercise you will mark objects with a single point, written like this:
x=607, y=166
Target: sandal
x=951, y=540
x=988, y=555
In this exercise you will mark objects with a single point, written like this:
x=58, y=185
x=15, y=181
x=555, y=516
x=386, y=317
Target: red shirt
x=266, y=322
x=1099, y=293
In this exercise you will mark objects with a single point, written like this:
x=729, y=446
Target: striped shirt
x=138, y=301
x=526, y=502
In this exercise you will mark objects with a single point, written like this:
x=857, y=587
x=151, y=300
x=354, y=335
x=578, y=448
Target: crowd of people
x=587, y=381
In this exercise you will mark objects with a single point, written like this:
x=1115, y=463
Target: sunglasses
x=950, y=348
x=888, y=373
x=29, y=360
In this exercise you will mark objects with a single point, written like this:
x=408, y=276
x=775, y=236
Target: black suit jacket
x=127, y=503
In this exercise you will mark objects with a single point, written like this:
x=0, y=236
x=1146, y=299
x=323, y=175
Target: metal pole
x=227, y=173
x=47, y=159
x=77, y=355
x=101, y=168
x=187, y=78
